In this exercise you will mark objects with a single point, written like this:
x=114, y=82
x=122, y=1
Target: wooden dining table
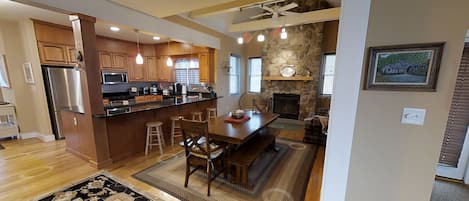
x=239, y=133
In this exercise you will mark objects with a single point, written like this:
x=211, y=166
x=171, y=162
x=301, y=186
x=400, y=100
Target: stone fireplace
x=286, y=105
x=302, y=50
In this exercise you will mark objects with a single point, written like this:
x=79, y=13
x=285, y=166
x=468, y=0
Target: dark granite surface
x=139, y=107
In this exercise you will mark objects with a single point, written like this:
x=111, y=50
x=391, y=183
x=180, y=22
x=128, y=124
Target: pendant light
x=138, y=58
x=191, y=61
x=169, y=61
x=283, y=34
x=240, y=40
x=260, y=37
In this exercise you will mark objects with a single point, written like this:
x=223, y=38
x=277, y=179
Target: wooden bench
x=242, y=158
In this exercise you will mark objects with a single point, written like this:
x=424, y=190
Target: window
x=185, y=73
x=234, y=74
x=255, y=75
x=328, y=74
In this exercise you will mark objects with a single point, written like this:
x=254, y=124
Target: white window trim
x=237, y=73
x=321, y=81
x=249, y=76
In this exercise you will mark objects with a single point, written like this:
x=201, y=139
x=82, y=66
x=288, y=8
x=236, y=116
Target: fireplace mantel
x=294, y=78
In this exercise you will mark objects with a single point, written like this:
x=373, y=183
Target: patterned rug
x=274, y=176
x=99, y=187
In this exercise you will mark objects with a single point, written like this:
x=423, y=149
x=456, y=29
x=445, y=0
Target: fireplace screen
x=287, y=105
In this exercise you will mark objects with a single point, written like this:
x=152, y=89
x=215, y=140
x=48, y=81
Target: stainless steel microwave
x=114, y=77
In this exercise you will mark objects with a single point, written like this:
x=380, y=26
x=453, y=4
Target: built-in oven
x=114, y=77
x=118, y=110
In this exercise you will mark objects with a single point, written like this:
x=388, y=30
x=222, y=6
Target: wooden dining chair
x=199, y=152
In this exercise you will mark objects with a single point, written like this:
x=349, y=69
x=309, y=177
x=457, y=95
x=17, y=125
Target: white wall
x=390, y=161
x=18, y=43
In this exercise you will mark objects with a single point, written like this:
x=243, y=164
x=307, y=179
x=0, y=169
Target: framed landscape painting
x=404, y=67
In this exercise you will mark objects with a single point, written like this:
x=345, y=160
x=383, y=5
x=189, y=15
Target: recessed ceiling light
x=156, y=38
x=115, y=29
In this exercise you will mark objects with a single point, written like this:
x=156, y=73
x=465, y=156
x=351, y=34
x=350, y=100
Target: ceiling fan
x=276, y=10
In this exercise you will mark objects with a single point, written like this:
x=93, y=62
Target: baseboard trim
x=46, y=138
x=28, y=135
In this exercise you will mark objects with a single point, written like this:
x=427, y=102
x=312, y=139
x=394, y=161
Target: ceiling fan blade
x=288, y=7
x=267, y=9
x=288, y=13
x=260, y=15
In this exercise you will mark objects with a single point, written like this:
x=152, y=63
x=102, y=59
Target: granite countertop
x=139, y=107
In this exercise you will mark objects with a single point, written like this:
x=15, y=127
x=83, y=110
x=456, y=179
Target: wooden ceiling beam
x=323, y=15
x=224, y=7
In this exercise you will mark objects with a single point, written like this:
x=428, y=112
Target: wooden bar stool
x=154, y=130
x=196, y=116
x=175, y=128
x=211, y=113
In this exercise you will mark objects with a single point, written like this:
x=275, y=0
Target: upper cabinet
x=112, y=61
x=137, y=72
x=151, y=64
x=55, y=44
x=165, y=73
x=207, y=67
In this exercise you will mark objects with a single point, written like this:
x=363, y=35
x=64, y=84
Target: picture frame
x=410, y=67
x=28, y=73
x=4, y=76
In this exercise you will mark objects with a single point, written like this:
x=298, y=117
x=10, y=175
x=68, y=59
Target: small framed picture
x=404, y=67
x=28, y=73
x=4, y=78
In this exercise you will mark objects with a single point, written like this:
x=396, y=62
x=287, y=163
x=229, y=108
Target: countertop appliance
x=64, y=92
x=114, y=77
x=153, y=89
x=133, y=91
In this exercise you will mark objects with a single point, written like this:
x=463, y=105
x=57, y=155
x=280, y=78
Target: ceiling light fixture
x=115, y=29
x=138, y=58
x=156, y=38
x=260, y=37
x=240, y=40
x=283, y=34
x=169, y=61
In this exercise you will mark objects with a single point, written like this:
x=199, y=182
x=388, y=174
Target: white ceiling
x=13, y=11
x=165, y=8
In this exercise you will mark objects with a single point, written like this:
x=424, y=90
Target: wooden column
x=92, y=130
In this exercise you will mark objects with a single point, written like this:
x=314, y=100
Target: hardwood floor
x=30, y=168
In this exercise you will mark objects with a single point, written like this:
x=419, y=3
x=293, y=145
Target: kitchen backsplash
x=124, y=87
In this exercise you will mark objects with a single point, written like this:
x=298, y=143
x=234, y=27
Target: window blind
x=458, y=118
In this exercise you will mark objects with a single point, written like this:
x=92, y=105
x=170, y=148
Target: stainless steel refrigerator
x=63, y=90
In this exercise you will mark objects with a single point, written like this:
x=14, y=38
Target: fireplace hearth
x=286, y=105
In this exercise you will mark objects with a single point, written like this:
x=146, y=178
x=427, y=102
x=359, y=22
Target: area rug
x=101, y=186
x=287, y=124
x=449, y=191
x=274, y=176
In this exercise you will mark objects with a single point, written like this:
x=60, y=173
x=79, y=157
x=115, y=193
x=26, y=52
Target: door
x=105, y=59
x=152, y=68
x=204, y=68
x=53, y=53
x=166, y=74
x=454, y=155
x=119, y=61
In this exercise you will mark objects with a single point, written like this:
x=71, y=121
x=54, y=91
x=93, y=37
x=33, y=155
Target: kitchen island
x=126, y=131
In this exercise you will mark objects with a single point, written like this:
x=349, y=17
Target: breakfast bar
x=126, y=132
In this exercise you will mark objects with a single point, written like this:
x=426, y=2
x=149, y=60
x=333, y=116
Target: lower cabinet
x=76, y=129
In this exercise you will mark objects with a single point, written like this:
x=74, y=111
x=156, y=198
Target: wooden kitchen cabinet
x=111, y=60
x=152, y=68
x=136, y=71
x=72, y=54
x=55, y=54
x=165, y=73
x=204, y=67
x=119, y=61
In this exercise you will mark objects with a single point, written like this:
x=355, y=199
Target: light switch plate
x=414, y=116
